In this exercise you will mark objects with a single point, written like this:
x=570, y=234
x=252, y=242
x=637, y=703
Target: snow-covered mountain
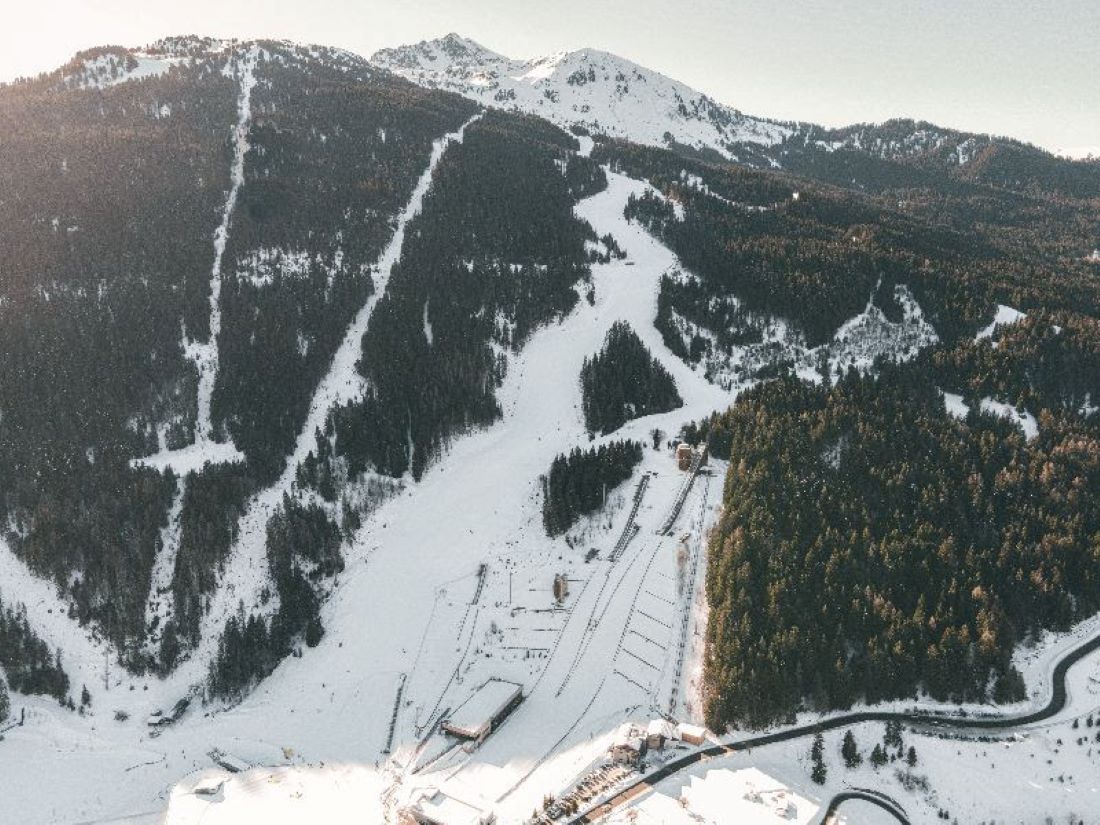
x=598, y=91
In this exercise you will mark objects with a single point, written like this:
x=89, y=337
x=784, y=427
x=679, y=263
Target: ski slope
x=450, y=583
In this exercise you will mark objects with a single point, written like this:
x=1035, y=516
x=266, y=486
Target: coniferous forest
x=874, y=547
x=578, y=483
x=624, y=381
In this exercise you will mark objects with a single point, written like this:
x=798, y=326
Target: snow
x=97, y=73
x=333, y=793
x=1023, y=419
x=159, y=607
x=205, y=356
x=721, y=795
x=411, y=609
x=1004, y=316
x=428, y=336
x=955, y=405
x=602, y=92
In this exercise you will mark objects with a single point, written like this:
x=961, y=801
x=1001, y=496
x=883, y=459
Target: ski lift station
x=484, y=710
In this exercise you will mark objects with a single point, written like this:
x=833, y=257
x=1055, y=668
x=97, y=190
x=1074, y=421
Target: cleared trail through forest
x=246, y=569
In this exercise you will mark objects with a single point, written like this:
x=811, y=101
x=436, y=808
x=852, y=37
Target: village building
x=628, y=747
x=691, y=734
x=659, y=732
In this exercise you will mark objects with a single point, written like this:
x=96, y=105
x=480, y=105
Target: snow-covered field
x=449, y=583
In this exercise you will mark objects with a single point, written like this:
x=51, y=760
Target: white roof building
x=486, y=706
x=438, y=808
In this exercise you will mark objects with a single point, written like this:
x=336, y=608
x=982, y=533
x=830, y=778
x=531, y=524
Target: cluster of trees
x=578, y=483
x=213, y=502
x=624, y=381
x=28, y=662
x=495, y=252
x=303, y=547
x=872, y=546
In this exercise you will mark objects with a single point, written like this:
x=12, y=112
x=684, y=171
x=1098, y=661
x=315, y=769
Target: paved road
x=865, y=794
x=1054, y=706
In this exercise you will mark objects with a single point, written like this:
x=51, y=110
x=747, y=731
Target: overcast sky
x=1025, y=68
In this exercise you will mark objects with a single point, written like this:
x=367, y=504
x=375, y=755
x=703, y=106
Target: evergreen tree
x=817, y=757
x=5, y=702
x=850, y=751
x=911, y=757
x=878, y=756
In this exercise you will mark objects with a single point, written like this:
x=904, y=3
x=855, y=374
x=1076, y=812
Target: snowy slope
x=590, y=88
x=448, y=584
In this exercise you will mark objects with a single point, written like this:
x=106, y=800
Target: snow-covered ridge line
x=246, y=573
x=602, y=92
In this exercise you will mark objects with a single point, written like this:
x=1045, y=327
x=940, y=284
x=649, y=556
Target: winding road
x=866, y=795
x=1055, y=705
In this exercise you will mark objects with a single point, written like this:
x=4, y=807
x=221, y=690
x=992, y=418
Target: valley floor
x=449, y=584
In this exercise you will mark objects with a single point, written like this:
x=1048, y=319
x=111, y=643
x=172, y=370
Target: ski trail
x=245, y=574
x=160, y=604
x=205, y=355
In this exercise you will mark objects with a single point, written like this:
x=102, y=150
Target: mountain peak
x=588, y=88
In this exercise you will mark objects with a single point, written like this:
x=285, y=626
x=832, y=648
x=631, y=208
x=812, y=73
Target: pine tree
x=911, y=757
x=878, y=756
x=892, y=737
x=5, y=702
x=850, y=751
x=817, y=756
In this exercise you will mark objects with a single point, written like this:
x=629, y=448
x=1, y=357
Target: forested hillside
x=773, y=243
x=114, y=187
x=873, y=546
x=496, y=252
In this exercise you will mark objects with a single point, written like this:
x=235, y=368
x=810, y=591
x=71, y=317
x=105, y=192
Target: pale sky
x=1025, y=68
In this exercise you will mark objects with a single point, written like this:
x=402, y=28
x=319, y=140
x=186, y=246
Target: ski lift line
x=631, y=528
x=647, y=639
x=396, y=710
x=689, y=601
x=660, y=598
x=681, y=496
